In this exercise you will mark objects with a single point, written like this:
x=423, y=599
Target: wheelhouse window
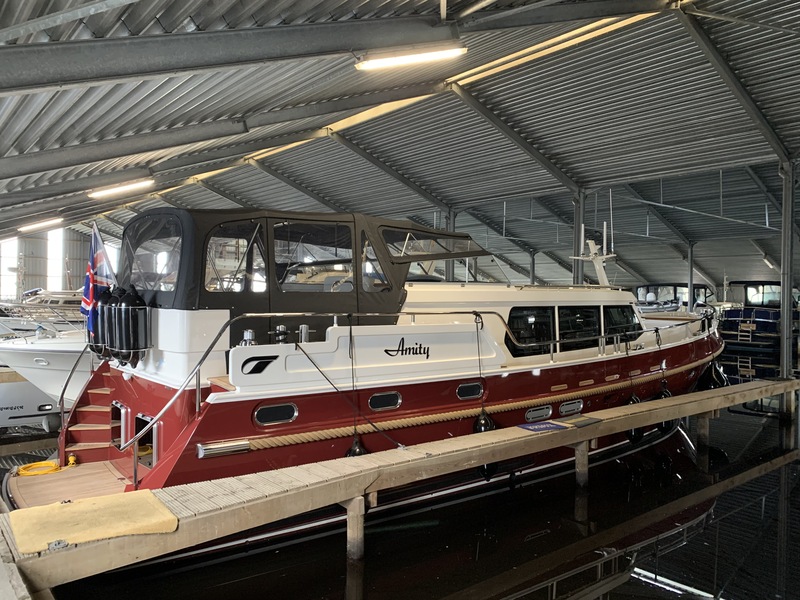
x=621, y=320
x=763, y=295
x=531, y=325
x=313, y=257
x=404, y=243
x=235, y=258
x=579, y=323
x=373, y=279
x=153, y=252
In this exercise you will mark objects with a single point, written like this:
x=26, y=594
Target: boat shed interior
x=666, y=131
x=671, y=125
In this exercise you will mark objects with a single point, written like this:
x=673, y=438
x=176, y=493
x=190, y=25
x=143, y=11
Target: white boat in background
x=24, y=404
x=42, y=309
x=47, y=360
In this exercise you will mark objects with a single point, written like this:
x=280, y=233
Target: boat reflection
x=542, y=538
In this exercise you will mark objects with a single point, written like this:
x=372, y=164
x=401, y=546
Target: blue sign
x=543, y=426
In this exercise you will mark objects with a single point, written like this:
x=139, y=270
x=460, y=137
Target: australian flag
x=99, y=277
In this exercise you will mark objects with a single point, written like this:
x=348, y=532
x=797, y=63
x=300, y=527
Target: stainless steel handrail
x=195, y=371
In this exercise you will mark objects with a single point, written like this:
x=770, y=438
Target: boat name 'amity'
x=413, y=350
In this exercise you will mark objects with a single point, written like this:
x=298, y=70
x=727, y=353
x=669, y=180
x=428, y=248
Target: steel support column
x=787, y=214
x=577, y=237
x=690, y=278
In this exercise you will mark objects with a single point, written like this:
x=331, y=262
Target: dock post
x=582, y=464
x=355, y=527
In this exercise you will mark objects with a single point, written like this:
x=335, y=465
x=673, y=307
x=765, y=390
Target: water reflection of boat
x=199, y=387
x=526, y=540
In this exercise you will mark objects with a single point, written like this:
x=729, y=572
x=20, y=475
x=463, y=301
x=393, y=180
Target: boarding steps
x=90, y=430
x=91, y=433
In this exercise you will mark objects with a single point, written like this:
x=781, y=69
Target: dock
x=210, y=510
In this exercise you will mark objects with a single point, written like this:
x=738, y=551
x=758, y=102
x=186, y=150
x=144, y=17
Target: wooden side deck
x=209, y=510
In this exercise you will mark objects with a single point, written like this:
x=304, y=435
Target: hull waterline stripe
x=262, y=443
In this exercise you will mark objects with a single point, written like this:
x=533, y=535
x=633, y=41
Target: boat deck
x=88, y=481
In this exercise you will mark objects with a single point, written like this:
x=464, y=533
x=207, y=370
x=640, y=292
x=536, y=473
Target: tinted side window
x=621, y=320
x=578, y=323
x=531, y=325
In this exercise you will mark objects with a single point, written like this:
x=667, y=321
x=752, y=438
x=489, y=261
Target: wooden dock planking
x=206, y=515
x=62, y=485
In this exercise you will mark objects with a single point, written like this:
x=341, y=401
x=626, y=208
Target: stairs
x=90, y=433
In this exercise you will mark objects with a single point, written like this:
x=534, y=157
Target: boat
x=48, y=360
x=751, y=329
x=672, y=297
x=243, y=341
x=22, y=404
x=43, y=318
x=42, y=309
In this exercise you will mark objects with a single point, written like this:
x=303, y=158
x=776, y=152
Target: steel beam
x=735, y=86
x=597, y=9
x=679, y=251
x=769, y=196
x=58, y=65
x=515, y=138
x=90, y=152
x=59, y=18
x=373, y=160
x=224, y=194
x=296, y=186
x=524, y=246
x=653, y=210
x=775, y=262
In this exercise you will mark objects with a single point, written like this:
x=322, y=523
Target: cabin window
x=274, y=414
x=470, y=391
x=763, y=295
x=385, y=401
x=407, y=243
x=533, y=327
x=313, y=257
x=621, y=320
x=235, y=259
x=579, y=323
x=373, y=279
x=156, y=249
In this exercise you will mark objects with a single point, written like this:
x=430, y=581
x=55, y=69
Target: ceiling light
x=769, y=264
x=409, y=56
x=40, y=225
x=122, y=189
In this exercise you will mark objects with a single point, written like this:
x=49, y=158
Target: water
x=650, y=516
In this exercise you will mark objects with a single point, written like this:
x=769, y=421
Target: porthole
x=277, y=413
x=470, y=391
x=385, y=401
x=540, y=413
x=570, y=408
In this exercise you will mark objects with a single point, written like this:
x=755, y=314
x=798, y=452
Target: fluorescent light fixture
x=409, y=56
x=40, y=224
x=768, y=263
x=122, y=189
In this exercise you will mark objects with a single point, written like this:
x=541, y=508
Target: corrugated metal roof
x=629, y=106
